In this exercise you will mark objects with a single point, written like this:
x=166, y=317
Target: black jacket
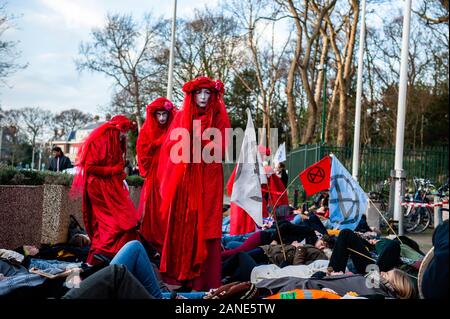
x=435, y=277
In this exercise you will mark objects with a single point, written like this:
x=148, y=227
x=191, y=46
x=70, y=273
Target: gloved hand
x=117, y=169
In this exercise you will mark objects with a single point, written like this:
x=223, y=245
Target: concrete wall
x=20, y=215
x=31, y=215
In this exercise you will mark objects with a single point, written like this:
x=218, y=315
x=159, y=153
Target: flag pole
x=382, y=216
x=172, y=48
x=276, y=223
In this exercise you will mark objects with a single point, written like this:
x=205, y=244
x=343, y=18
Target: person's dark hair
x=282, y=165
x=329, y=240
x=57, y=149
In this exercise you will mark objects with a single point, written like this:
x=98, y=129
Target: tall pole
x=357, y=133
x=324, y=101
x=1, y=140
x=398, y=173
x=172, y=45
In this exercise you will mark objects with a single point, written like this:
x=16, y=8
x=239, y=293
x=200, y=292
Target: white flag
x=249, y=175
x=280, y=155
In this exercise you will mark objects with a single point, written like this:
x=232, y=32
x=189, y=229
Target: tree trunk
x=347, y=77
x=330, y=112
x=137, y=101
x=342, y=118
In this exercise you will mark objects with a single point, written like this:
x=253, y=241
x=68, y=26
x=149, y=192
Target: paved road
x=423, y=239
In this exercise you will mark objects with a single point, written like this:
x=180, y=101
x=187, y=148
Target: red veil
x=192, y=193
x=148, y=147
x=108, y=212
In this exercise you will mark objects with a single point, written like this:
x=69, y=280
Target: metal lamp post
x=324, y=101
x=398, y=174
x=172, y=45
x=357, y=132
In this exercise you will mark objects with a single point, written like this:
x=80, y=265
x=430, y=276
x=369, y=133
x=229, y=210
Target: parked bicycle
x=416, y=219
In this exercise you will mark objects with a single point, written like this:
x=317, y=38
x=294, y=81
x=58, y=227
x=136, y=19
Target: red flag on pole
x=316, y=177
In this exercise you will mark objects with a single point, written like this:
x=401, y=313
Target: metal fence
x=375, y=163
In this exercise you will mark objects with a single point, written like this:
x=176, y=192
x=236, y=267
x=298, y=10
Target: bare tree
x=124, y=51
x=433, y=11
x=8, y=49
x=308, y=22
x=68, y=121
x=266, y=56
x=35, y=122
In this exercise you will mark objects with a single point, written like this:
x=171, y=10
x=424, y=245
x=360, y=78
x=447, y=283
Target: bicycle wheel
x=425, y=214
x=411, y=219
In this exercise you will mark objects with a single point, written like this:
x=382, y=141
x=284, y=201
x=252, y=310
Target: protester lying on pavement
x=240, y=265
x=288, y=231
x=392, y=284
x=130, y=275
x=349, y=244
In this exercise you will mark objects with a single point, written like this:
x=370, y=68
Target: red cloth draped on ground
x=240, y=222
x=192, y=193
x=109, y=215
x=148, y=145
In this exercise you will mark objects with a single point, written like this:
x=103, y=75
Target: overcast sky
x=50, y=32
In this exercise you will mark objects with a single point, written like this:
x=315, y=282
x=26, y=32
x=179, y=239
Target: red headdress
x=152, y=131
x=118, y=123
x=213, y=115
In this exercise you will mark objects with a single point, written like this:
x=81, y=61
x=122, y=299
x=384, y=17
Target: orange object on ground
x=305, y=294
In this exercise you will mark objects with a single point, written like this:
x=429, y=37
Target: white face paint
x=162, y=117
x=202, y=97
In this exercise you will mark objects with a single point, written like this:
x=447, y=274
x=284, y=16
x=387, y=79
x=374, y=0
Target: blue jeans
x=230, y=242
x=134, y=257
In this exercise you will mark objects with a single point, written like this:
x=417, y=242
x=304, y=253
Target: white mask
x=202, y=97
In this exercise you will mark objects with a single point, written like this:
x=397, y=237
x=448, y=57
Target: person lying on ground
x=385, y=253
x=392, y=284
x=288, y=231
x=130, y=275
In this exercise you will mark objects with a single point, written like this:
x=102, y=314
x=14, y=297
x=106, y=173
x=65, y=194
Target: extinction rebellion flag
x=316, y=177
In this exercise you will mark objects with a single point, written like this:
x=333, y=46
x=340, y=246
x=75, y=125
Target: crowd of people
x=175, y=245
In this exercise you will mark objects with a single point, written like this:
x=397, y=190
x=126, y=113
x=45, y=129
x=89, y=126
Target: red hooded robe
x=109, y=215
x=148, y=145
x=193, y=194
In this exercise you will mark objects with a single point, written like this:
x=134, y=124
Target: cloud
x=73, y=14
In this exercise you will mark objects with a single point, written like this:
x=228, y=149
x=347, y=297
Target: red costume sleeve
x=146, y=150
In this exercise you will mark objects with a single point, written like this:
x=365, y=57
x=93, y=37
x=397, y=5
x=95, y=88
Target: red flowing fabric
x=148, y=146
x=109, y=215
x=240, y=222
x=192, y=193
x=276, y=188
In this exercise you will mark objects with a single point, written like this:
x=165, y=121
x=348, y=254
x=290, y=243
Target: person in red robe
x=109, y=215
x=192, y=187
x=241, y=222
x=160, y=114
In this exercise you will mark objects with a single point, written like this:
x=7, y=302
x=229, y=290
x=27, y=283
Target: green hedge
x=12, y=176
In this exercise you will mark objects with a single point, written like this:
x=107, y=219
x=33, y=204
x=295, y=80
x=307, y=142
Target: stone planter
x=34, y=215
x=56, y=210
x=20, y=215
